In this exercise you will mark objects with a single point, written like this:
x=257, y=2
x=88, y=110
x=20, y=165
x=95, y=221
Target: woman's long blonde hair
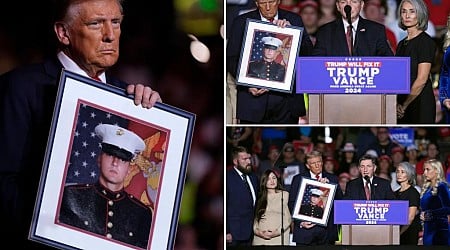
x=447, y=35
x=437, y=165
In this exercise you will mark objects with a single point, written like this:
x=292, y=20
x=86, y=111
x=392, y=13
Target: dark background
x=155, y=51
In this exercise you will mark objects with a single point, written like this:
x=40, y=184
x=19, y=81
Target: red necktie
x=349, y=36
x=367, y=189
x=317, y=176
x=96, y=78
x=270, y=20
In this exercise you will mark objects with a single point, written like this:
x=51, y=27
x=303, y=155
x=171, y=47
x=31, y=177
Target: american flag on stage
x=256, y=53
x=83, y=167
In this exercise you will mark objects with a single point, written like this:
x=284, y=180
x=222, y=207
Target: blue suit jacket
x=26, y=110
x=251, y=108
x=370, y=39
x=240, y=207
x=381, y=189
x=306, y=236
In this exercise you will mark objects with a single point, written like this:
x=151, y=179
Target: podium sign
x=371, y=212
x=353, y=75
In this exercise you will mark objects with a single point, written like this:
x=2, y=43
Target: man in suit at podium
x=368, y=186
x=241, y=192
x=259, y=105
x=368, y=38
x=306, y=233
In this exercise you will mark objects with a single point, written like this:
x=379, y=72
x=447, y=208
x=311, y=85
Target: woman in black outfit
x=419, y=106
x=406, y=177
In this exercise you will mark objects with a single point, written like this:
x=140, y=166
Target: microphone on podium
x=367, y=178
x=348, y=13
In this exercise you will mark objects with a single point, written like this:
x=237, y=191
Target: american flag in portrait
x=83, y=167
x=307, y=194
x=257, y=46
x=145, y=170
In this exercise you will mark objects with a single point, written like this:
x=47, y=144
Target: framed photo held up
x=314, y=201
x=73, y=209
x=268, y=56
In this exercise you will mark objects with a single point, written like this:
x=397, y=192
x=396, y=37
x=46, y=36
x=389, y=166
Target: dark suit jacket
x=240, y=207
x=370, y=39
x=252, y=108
x=381, y=189
x=26, y=110
x=91, y=203
x=306, y=236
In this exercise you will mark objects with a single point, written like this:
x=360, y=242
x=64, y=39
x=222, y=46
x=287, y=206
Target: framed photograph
x=268, y=56
x=74, y=208
x=314, y=201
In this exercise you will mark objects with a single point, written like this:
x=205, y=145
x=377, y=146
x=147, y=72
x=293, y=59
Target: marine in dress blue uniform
x=313, y=210
x=114, y=215
x=266, y=68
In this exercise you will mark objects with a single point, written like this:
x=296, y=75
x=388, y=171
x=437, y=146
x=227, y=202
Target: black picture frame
x=76, y=92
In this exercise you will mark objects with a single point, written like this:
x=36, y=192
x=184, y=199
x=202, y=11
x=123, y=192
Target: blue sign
x=353, y=75
x=371, y=212
x=403, y=136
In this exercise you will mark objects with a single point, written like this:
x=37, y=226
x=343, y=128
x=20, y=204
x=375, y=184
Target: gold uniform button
x=110, y=225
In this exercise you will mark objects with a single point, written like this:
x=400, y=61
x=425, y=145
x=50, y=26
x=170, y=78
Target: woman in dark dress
x=406, y=177
x=419, y=106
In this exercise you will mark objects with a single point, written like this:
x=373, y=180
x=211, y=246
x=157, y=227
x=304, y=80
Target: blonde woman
x=435, y=205
x=444, y=78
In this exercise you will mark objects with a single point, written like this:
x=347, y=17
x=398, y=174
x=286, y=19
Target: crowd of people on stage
x=417, y=29
x=276, y=160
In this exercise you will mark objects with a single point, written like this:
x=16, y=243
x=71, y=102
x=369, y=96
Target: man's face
x=366, y=167
x=269, y=54
x=356, y=5
x=315, y=200
x=268, y=8
x=244, y=163
x=315, y=164
x=383, y=134
x=93, y=34
x=310, y=16
x=113, y=170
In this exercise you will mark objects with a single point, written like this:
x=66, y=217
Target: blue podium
x=371, y=222
x=352, y=90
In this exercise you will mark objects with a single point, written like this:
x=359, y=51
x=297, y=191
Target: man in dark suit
x=241, y=192
x=261, y=105
x=369, y=37
x=306, y=233
x=28, y=99
x=377, y=188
